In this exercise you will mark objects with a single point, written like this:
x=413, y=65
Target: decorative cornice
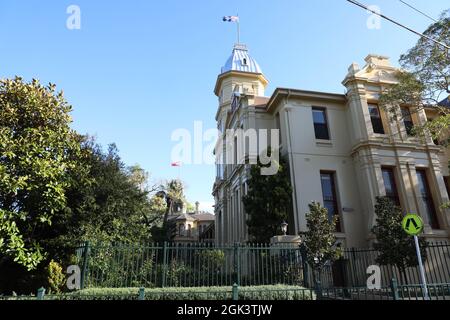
x=282, y=93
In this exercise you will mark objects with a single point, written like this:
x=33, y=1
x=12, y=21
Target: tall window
x=375, y=117
x=390, y=185
x=189, y=230
x=407, y=120
x=426, y=198
x=321, y=123
x=180, y=229
x=328, y=180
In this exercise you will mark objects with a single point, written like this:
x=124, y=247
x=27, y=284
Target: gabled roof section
x=378, y=69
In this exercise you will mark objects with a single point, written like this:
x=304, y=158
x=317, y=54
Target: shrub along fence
x=206, y=265
x=235, y=292
x=266, y=293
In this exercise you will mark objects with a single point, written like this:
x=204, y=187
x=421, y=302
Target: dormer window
x=244, y=62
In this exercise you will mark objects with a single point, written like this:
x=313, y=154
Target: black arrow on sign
x=413, y=221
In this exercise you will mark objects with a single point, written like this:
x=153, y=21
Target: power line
x=421, y=12
x=398, y=23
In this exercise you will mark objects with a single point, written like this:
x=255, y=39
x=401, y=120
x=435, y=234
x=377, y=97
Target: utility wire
x=415, y=9
x=398, y=23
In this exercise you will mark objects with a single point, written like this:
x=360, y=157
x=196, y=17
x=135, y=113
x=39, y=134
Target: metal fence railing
x=188, y=265
x=436, y=264
x=206, y=265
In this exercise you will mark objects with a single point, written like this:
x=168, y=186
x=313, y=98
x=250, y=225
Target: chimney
x=197, y=207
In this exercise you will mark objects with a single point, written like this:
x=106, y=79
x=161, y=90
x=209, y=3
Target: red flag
x=176, y=164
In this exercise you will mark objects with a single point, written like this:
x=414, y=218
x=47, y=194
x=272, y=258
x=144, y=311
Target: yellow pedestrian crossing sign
x=412, y=224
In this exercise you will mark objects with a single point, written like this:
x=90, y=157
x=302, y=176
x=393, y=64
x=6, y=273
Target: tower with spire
x=240, y=88
x=241, y=73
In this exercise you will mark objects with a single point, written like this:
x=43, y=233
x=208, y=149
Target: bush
x=55, y=277
x=277, y=292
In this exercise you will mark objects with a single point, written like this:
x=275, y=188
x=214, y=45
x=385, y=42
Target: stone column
x=371, y=183
x=359, y=112
x=406, y=187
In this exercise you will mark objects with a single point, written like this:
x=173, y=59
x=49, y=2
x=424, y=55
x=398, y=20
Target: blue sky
x=138, y=70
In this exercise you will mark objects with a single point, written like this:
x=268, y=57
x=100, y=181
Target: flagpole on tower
x=236, y=20
x=238, y=29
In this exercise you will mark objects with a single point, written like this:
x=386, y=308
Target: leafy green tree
x=395, y=247
x=173, y=194
x=58, y=188
x=424, y=80
x=157, y=210
x=113, y=205
x=189, y=207
x=268, y=202
x=319, y=240
x=38, y=150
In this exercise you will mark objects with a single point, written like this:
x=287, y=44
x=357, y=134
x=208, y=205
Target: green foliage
x=268, y=202
x=319, y=240
x=173, y=194
x=213, y=258
x=424, y=81
x=112, y=207
x=276, y=292
x=56, y=277
x=38, y=151
x=394, y=245
x=58, y=188
x=189, y=207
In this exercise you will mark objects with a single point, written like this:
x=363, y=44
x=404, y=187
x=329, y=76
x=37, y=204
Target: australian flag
x=231, y=19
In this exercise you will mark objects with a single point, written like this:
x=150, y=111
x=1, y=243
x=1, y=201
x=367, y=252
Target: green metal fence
x=189, y=265
x=206, y=265
x=436, y=265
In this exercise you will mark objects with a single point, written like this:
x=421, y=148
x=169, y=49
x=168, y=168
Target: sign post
x=413, y=225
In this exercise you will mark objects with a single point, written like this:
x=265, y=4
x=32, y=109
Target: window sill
x=324, y=143
x=412, y=139
x=380, y=135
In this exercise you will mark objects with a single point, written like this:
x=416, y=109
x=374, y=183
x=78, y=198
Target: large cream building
x=343, y=151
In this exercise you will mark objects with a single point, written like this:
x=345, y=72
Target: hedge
x=276, y=292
